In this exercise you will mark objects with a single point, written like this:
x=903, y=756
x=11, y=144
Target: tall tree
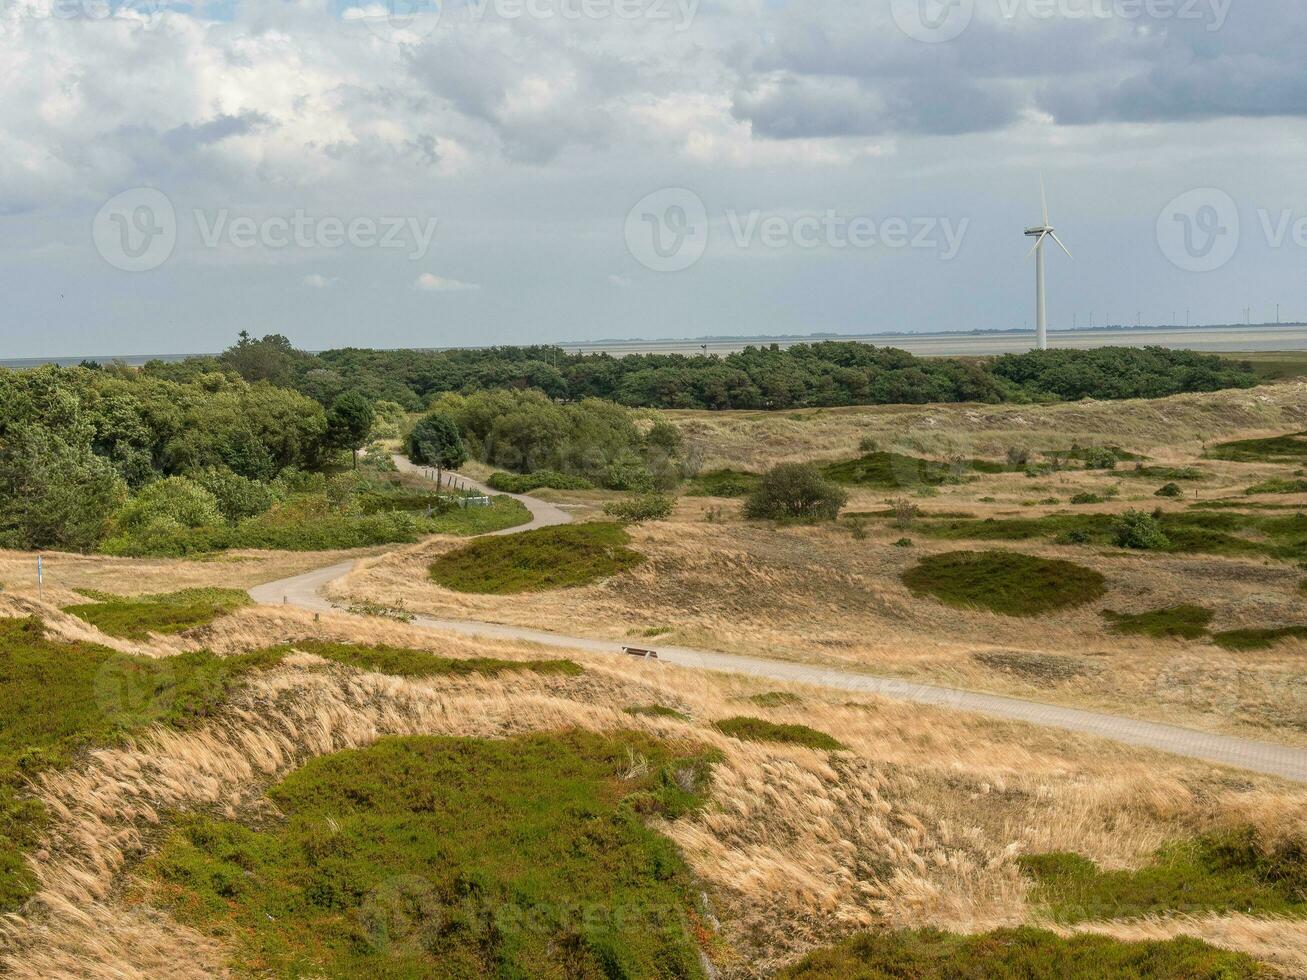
x=349, y=422
x=436, y=441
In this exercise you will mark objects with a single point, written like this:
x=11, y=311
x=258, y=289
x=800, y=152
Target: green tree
x=53, y=493
x=350, y=422
x=436, y=441
x=795, y=492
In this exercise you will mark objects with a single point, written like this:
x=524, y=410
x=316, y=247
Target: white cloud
x=621, y=282
x=429, y=283
x=316, y=281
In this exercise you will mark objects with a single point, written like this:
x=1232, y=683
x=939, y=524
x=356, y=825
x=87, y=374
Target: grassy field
x=544, y=559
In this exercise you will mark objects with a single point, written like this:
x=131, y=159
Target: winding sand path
x=305, y=591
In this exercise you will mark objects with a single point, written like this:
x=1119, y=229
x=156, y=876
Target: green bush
x=1099, y=458
x=1086, y=498
x=540, y=479
x=1005, y=582
x=795, y=492
x=546, y=558
x=1138, y=530
x=638, y=510
x=174, y=502
x=1169, y=490
x=722, y=483
x=760, y=730
x=238, y=496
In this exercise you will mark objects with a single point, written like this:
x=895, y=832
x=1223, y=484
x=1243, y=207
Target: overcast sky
x=544, y=170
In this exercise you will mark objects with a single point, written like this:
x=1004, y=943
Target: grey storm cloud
x=190, y=136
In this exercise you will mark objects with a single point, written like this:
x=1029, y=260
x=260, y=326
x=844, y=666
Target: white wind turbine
x=1039, y=234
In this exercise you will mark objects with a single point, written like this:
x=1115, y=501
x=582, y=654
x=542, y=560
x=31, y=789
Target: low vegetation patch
x=775, y=699
x=136, y=617
x=1184, y=622
x=1258, y=639
x=1166, y=473
x=1031, y=954
x=401, y=662
x=1276, y=533
x=1005, y=582
x=1283, y=486
x=888, y=470
x=1231, y=871
x=1289, y=448
x=759, y=730
x=655, y=711
x=722, y=483
x=535, y=561
x=62, y=698
x=1036, y=668
x=527, y=857
x=539, y=480
x=642, y=508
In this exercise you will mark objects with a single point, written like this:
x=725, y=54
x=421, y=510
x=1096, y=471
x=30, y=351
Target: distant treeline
x=803, y=376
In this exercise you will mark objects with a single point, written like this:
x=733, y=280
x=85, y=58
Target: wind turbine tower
x=1040, y=234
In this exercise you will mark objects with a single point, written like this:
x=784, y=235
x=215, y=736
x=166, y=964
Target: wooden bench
x=642, y=654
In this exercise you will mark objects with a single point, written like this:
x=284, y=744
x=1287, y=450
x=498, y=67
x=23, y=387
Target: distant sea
x=976, y=343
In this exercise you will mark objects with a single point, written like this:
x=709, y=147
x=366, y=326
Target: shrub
x=905, y=512
x=1100, y=458
x=1005, y=582
x=1170, y=490
x=166, y=506
x=868, y=444
x=238, y=496
x=546, y=558
x=540, y=479
x=723, y=483
x=758, y=730
x=1143, y=532
x=1086, y=498
x=646, y=507
x=1017, y=457
x=795, y=492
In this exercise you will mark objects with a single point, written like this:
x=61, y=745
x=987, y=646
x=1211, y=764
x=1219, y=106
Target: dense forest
x=804, y=376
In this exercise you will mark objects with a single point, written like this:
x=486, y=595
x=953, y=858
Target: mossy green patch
x=1286, y=448
x=759, y=730
x=136, y=617
x=889, y=470
x=655, y=711
x=535, y=561
x=1279, y=485
x=722, y=483
x=447, y=857
x=1020, y=954
x=1005, y=582
x=775, y=699
x=1185, y=622
x=1232, y=871
x=402, y=662
x=1258, y=639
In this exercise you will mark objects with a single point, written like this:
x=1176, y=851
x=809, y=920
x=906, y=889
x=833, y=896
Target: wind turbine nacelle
x=1036, y=232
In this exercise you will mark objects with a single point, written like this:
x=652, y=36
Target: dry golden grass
x=919, y=823
x=819, y=595
x=754, y=439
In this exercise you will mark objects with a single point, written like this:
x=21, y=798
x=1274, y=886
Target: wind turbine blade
x=1038, y=241
x=1064, y=248
x=1043, y=196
